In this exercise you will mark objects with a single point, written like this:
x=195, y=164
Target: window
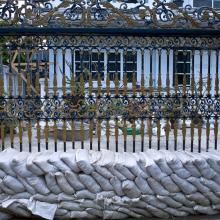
x=182, y=66
x=130, y=65
x=208, y=3
x=89, y=62
x=114, y=65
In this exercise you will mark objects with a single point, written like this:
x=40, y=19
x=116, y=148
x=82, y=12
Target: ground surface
x=112, y=144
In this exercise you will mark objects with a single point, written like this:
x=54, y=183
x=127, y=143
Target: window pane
x=183, y=68
x=112, y=76
x=113, y=57
x=183, y=56
x=201, y=3
x=130, y=56
x=180, y=79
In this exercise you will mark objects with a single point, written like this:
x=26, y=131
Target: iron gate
x=101, y=75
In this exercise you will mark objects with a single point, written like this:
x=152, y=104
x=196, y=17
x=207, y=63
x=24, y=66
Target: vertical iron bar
x=192, y=96
x=168, y=97
x=216, y=97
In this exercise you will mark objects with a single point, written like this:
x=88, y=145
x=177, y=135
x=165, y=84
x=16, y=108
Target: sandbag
x=107, y=214
x=117, y=174
x=153, y=201
x=107, y=159
x=130, y=189
x=22, y=195
x=55, y=160
x=103, y=171
x=52, y=183
x=19, y=163
x=197, y=183
x=6, y=158
x=124, y=171
x=184, y=185
x=143, y=186
x=102, y=181
x=73, y=180
x=81, y=214
x=2, y=174
x=27, y=186
x=5, y=216
x=89, y=183
x=71, y=206
x=39, y=184
x=199, y=199
x=142, y=212
x=157, y=212
x=5, y=189
x=180, y=197
x=14, y=184
x=19, y=210
x=175, y=212
x=70, y=160
x=213, y=186
x=169, y=201
x=105, y=194
x=169, y=185
x=33, y=167
x=63, y=184
x=82, y=161
x=207, y=210
x=51, y=198
x=85, y=194
x=129, y=212
x=95, y=212
x=157, y=187
x=88, y=203
x=117, y=186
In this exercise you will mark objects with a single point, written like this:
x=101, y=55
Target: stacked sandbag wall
x=91, y=184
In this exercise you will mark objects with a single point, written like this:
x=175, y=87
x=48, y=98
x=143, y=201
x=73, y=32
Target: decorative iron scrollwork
x=103, y=13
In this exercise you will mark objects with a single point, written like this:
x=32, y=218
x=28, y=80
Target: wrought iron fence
x=105, y=90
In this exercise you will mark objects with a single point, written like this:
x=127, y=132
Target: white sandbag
x=22, y=195
x=207, y=210
x=39, y=184
x=157, y=187
x=60, y=212
x=213, y=186
x=89, y=183
x=102, y=181
x=19, y=210
x=180, y=197
x=175, y=212
x=130, y=189
x=157, y=212
x=52, y=183
x=151, y=167
x=71, y=206
x=117, y=174
x=70, y=160
x=103, y=171
x=94, y=156
x=212, y=197
x=197, y=183
x=189, y=210
x=169, y=201
x=187, y=161
x=5, y=189
x=184, y=185
x=2, y=174
x=6, y=158
x=88, y=203
x=199, y=198
x=41, y=160
x=55, y=160
x=117, y=186
x=203, y=166
x=114, y=215
x=82, y=160
x=51, y=198
x=129, y=212
x=213, y=161
x=169, y=185
x=124, y=171
x=107, y=159
x=42, y=209
x=65, y=197
x=18, y=164
x=27, y=186
x=33, y=167
x=63, y=184
x=14, y=184
x=81, y=215
x=105, y=194
x=153, y=201
x=73, y=180
x=95, y=212
x=142, y=212
x=5, y=216
x=85, y=194
x=143, y=186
